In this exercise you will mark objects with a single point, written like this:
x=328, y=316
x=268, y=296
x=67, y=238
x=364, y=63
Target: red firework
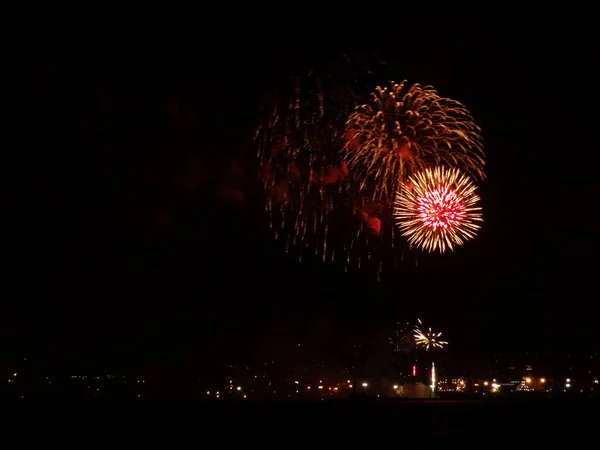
x=437, y=209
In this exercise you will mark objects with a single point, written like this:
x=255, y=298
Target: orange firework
x=403, y=130
x=438, y=209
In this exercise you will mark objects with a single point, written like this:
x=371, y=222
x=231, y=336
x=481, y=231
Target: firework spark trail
x=437, y=209
x=405, y=129
x=313, y=202
x=425, y=337
x=305, y=179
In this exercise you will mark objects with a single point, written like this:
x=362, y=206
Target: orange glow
x=404, y=149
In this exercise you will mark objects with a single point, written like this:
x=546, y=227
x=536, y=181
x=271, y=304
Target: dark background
x=130, y=238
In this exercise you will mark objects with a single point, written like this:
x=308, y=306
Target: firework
x=329, y=168
x=404, y=129
x=424, y=337
x=301, y=172
x=309, y=189
x=437, y=209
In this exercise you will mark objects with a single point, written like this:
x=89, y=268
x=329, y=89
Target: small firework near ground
x=425, y=337
x=436, y=210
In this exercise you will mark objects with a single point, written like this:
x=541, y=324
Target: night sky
x=133, y=227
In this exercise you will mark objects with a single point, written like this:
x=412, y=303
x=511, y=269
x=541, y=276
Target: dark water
x=482, y=422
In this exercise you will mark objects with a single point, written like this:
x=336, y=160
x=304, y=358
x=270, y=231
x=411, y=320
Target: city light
x=505, y=379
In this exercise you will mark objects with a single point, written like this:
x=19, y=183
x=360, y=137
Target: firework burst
x=404, y=129
x=310, y=192
x=296, y=149
x=330, y=168
x=437, y=209
x=425, y=337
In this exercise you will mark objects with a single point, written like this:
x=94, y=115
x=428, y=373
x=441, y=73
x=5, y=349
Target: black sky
x=112, y=258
